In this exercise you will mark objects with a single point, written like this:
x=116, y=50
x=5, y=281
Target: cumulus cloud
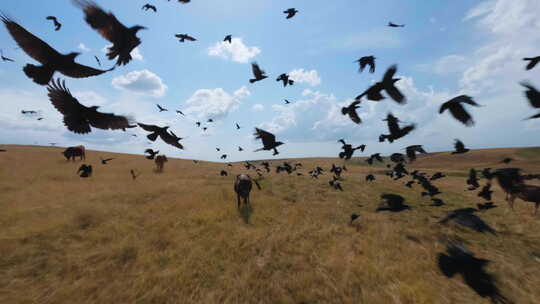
x=142, y=82
x=214, y=103
x=83, y=47
x=135, y=54
x=257, y=107
x=302, y=76
x=236, y=51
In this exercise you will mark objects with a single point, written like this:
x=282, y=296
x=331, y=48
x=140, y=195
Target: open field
x=178, y=237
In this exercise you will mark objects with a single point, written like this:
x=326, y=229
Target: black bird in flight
x=268, y=140
x=392, y=202
x=180, y=112
x=28, y=112
x=533, y=96
x=224, y=156
x=77, y=117
x=85, y=170
x=257, y=73
x=365, y=61
x=412, y=150
x=105, y=161
x=486, y=192
x=218, y=149
x=161, y=109
x=167, y=136
x=388, y=85
x=376, y=156
x=395, y=131
x=210, y=120
x=460, y=147
x=198, y=123
x=151, y=153
x=285, y=78
x=240, y=149
x=237, y=127
x=183, y=1
x=228, y=38
x=458, y=111
x=390, y=24
x=5, y=58
x=134, y=175
x=370, y=178
x=204, y=129
x=459, y=259
x=290, y=12
x=97, y=60
x=57, y=25
x=184, y=37
x=351, y=111
x=348, y=150
x=286, y=101
x=50, y=59
x=41, y=118
x=124, y=39
x=472, y=181
x=533, y=61
x=466, y=217
x=148, y=6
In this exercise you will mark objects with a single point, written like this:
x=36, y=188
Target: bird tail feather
x=39, y=74
x=252, y=80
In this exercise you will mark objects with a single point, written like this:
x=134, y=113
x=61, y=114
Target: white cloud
x=90, y=98
x=135, y=53
x=214, y=103
x=83, y=47
x=257, y=107
x=142, y=82
x=237, y=51
x=301, y=76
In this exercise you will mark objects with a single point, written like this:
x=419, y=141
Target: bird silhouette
x=390, y=24
x=210, y=120
x=533, y=96
x=240, y=149
x=237, y=127
x=224, y=156
x=472, y=180
x=455, y=105
x=77, y=117
x=257, y=73
x=198, y=124
x=228, y=38
x=466, y=217
x=28, y=112
x=412, y=150
x=285, y=78
x=286, y=101
x=348, y=151
x=486, y=192
x=97, y=60
x=5, y=59
x=533, y=61
x=124, y=39
x=223, y=173
x=180, y=112
x=291, y=12
x=167, y=136
x=151, y=153
x=134, y=175
x=459, y=259
x=396, y=132
x=148, y=6
x=184, y=37
x=350, y=110
x=268, y=140
x=365, y=61
x=372, y=157
x=105, y=161
x=50, y=59
x=370, y=178
x=459, y=147
x=388, y=85
x=85, y=170
x=57, y=25
x=392, y=202
x=161, y=109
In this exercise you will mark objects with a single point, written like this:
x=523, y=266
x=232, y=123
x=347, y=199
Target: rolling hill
x=177, y=237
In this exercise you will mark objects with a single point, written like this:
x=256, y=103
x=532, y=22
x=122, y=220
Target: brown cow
x=160, y=162
x=72, y=152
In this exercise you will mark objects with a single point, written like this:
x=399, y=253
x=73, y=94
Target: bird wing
x=256, y=70
x=465, y=99
x=459, y=113
x=105, y=23
x=30, y=44
x=149, y=128
x=353, y=115
x=171, y=139
x=107, y=121
x=532, y=94
x=76, y=70
x=389, y=74
x=62, y=100
x=267, y=138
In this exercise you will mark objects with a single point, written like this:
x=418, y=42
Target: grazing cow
x=528, y=193
x=72, y=152
x=242, y=187
x=160, y=162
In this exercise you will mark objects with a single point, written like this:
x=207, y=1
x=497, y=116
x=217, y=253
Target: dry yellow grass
x=177, y=237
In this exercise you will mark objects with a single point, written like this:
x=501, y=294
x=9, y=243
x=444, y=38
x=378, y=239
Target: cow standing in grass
x=160, y=162
x=72, y=152
x=242, y=187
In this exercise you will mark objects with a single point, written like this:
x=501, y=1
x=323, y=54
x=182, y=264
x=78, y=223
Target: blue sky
x=447, y=48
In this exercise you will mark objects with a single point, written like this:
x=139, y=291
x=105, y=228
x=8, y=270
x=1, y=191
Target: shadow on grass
x=245, y=211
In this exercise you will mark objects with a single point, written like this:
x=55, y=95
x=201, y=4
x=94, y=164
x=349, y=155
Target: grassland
x=178, y=237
